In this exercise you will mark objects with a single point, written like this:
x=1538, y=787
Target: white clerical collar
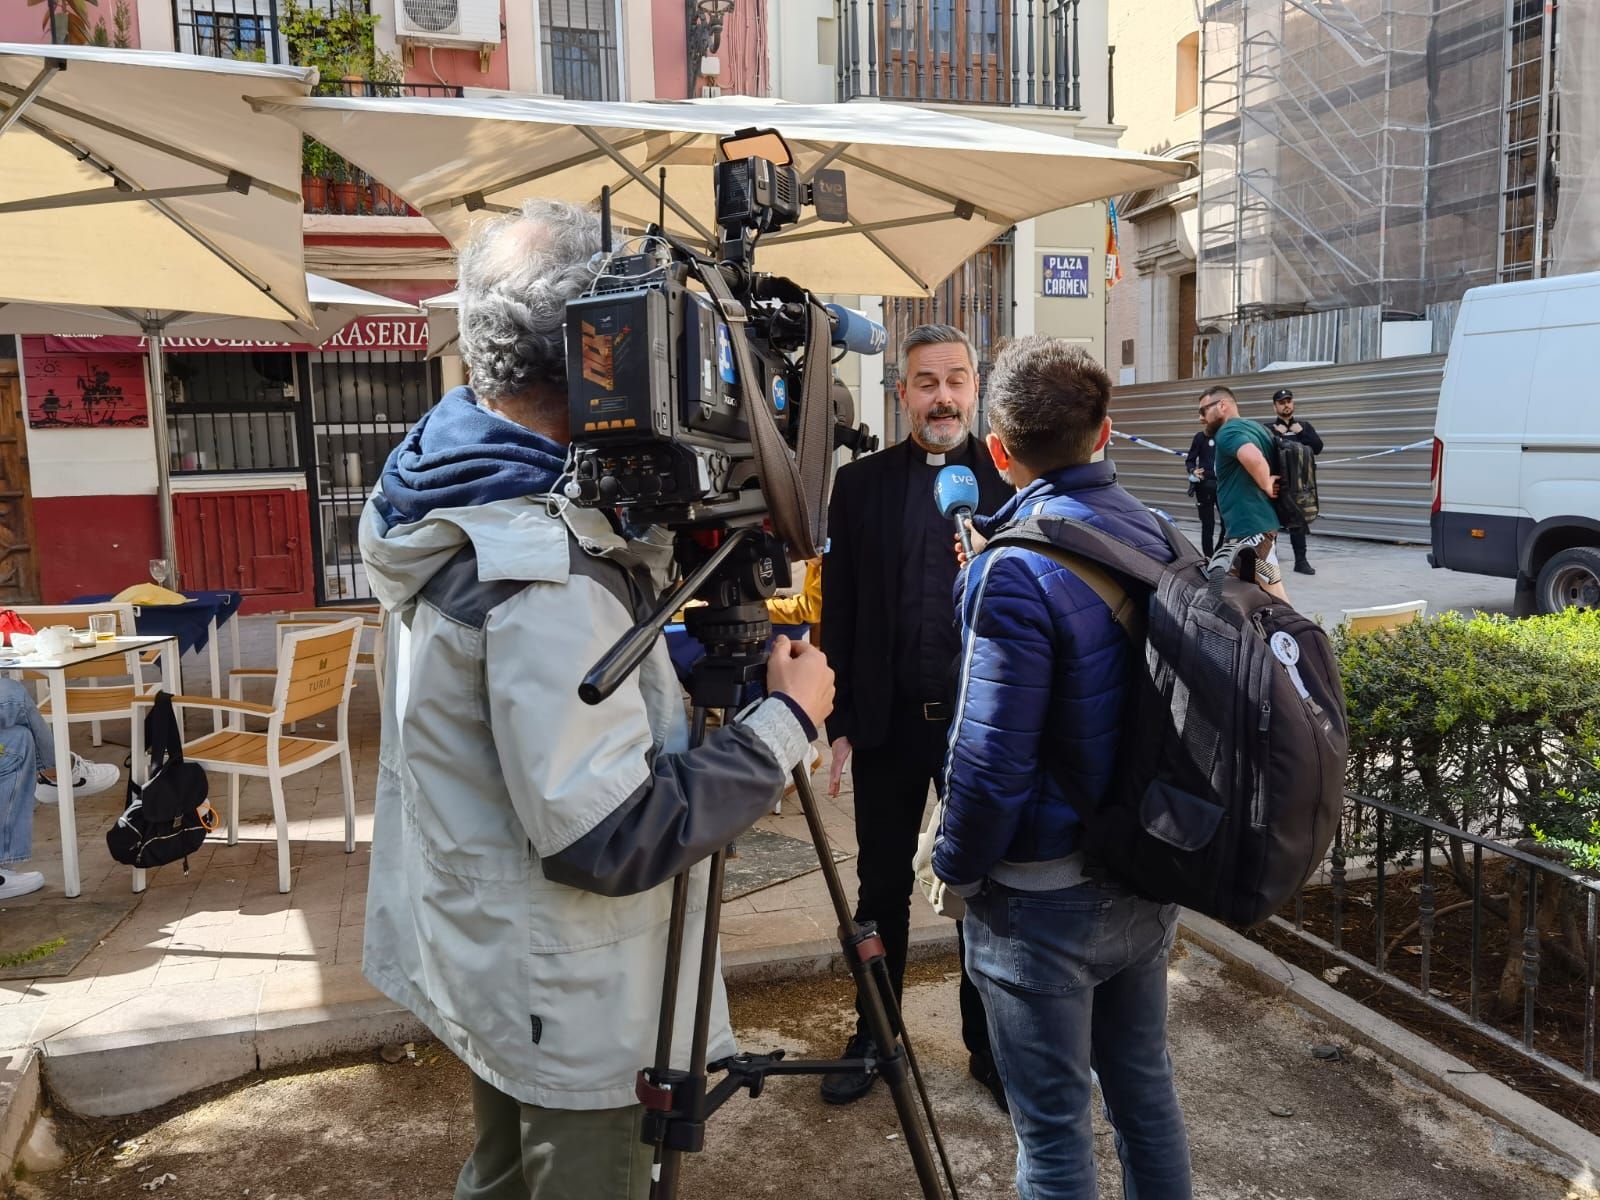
x=935, y=460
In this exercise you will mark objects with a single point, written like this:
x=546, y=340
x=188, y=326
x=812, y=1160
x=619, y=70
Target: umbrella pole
x=158, y=424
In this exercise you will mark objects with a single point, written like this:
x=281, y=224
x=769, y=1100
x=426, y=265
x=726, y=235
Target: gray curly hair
x=514, y=280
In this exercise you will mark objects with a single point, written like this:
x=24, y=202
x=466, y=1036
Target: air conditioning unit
x=448, y=22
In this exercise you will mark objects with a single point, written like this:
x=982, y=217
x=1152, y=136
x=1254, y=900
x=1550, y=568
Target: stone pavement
x=219, y=949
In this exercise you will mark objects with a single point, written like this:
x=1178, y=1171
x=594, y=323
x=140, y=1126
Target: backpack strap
x=1099, y=547
x=162, y=739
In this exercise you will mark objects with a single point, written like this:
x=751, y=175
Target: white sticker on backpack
x=1287, y=651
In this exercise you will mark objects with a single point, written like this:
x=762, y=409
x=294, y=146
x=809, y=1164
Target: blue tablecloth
x=189, y=623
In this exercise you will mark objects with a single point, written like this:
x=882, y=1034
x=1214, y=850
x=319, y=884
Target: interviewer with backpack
x=1071, y=964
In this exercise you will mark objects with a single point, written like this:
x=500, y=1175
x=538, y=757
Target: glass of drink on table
x=104, y=626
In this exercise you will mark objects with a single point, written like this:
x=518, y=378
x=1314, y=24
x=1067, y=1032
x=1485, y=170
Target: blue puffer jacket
x=1042, y=670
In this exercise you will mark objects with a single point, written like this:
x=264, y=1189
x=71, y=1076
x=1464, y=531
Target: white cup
x=24, y=643
x=54, y=641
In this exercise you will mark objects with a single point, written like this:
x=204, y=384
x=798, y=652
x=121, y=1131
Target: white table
x=55, y=672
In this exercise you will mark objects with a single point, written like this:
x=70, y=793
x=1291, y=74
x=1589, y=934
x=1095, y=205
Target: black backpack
x=1296, y=466
x=167, y=818
x=1230, y=771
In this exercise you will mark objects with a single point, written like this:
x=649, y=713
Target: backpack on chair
x=167, y=817
x=1229, y=776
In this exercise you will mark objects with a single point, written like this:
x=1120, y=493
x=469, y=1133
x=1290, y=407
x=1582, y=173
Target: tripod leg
x=873, y=987
x=674, y=959
x=671, y=1159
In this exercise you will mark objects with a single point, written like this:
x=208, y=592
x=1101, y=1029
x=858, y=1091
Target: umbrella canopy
x=444, y=323
x=926, y=190
x=143, y=180
x=333, y=306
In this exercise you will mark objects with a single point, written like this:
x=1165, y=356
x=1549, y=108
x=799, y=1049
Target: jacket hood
x=463, y=474
x=1065, y=481
x=461, y=454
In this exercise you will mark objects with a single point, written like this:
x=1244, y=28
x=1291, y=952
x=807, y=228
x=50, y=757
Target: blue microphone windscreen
x=955, y=488
x=855, y=331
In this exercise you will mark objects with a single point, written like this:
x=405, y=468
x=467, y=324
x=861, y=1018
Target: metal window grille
x=362, y=404
x=231, y=412
x=580, y=48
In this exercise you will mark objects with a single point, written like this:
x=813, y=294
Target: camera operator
x=889, y=628
x=522, y=839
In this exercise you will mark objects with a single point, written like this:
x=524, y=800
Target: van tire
x=1570, y=579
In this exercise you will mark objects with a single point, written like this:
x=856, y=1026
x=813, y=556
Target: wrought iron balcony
x=333, y=186
x=1012, y=53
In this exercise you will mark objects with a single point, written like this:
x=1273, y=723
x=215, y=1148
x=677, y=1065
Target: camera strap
x=795, y=485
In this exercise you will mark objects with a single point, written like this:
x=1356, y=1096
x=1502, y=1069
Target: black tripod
x=733, y=627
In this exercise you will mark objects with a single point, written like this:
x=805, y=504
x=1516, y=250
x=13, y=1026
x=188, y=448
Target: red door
x=251, y=542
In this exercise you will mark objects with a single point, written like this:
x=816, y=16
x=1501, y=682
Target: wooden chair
x=315, y=673
x=96, y=699
x=1384, y=616
x=371, y=625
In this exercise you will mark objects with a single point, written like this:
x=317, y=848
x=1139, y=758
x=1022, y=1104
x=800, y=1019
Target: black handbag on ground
x=166, y=818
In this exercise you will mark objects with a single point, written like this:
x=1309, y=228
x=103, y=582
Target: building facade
x=1150, y=314
x=273, y=448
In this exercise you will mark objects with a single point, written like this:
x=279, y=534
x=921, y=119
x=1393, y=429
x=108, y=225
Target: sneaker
x=88, y=778
x=845, y=1087
x=19, y=883
x=981, y=1068
x=1304, y=568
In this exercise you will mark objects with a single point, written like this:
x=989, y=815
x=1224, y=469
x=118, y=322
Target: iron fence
x=1549, y=911
x=1014, y=53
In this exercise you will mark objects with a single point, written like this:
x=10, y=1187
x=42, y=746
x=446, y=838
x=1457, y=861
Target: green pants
x=525, y=1152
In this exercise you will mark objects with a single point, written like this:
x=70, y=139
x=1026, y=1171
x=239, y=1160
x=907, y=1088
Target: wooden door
x=19, y=556
x=253, y=542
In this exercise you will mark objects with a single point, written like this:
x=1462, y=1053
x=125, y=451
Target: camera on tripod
x=666, y=378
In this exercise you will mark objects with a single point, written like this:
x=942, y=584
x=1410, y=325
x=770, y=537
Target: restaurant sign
x=364, y=333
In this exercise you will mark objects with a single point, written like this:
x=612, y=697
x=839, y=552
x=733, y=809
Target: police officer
x=1287, y=425
x=1201, y=463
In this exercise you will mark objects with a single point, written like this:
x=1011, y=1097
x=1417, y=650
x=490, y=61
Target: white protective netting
x=1576, y=236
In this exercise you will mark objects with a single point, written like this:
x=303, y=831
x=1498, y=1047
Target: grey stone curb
x=112, y=1075
x=1441, y=1070
x=19, y=1101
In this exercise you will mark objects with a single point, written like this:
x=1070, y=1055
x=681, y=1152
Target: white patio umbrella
x=142, y=184
x=444, y=323
x=926, y=190
x=333, y=306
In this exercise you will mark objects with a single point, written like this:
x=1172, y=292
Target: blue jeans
x=1075, y=983
x=26, y=747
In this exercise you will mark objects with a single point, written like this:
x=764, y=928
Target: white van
x=1516, y=447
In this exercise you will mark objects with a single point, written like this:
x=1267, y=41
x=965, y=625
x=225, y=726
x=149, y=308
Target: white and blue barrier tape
x=1321, y=462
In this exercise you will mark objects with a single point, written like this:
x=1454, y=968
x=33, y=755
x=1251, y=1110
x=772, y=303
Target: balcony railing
x=338, y=188
x=1013, y=53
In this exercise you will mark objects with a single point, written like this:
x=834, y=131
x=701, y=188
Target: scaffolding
x=1358, y=153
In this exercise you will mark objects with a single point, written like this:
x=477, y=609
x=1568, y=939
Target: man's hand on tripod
x=800, y=671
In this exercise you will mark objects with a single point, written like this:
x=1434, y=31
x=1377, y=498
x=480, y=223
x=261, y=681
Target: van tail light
x=1436, y=474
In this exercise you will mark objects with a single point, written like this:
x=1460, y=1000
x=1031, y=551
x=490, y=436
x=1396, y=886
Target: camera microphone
x=855, y=331
x=955, y=491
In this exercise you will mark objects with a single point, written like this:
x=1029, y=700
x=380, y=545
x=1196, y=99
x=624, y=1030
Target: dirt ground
x=1268, y=1120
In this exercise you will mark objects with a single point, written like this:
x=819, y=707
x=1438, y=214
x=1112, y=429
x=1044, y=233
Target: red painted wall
x=94, y=544
x=743, y=51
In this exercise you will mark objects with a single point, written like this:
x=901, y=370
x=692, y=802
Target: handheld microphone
x=855, y=331
x=955, y=491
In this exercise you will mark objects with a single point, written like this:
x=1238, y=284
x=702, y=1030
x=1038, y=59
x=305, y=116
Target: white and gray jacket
x=522, y=838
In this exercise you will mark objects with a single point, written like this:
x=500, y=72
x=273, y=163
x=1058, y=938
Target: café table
x=195, y=624
x=54, y=669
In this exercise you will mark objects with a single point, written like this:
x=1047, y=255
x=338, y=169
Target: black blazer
x=861, y=582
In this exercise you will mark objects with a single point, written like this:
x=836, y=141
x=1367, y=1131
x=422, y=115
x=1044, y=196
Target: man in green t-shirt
x=1245, y=483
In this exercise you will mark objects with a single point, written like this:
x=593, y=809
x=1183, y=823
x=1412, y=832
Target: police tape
x=1321, y=462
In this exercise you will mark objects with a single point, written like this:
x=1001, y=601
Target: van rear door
x=1483, y=404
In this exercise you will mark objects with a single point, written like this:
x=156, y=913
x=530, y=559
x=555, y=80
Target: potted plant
x=346, y=188
x=314, y=168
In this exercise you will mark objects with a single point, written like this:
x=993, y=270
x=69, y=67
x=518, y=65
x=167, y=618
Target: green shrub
x=1487, y=723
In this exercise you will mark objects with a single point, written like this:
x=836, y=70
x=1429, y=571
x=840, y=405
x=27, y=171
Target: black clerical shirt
x=926, y=640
